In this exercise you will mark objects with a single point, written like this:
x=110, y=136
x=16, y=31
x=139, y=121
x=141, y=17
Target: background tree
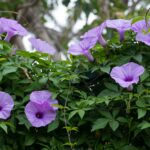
x=32, y=14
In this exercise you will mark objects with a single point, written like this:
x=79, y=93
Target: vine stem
x=25, y=71
x=146, y=16
x=65, y=120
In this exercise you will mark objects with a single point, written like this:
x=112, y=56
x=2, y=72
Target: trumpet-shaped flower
x=42, y=46
x=145, y=38
x=82, y=48
x=127, y=74
x=141, y=25
x=89, y=39
x=40, y=111
x=42, y=96
x=142, y=28
x=95, y=34
x=12, y=28
x=40, y=114
x=120, y=25
x=6, y=105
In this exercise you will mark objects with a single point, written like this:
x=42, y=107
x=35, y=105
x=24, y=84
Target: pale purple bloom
x=89, y=39
x=143, y=31
x=127, y=74
x=82, y=48
x=40, y=111
x=95, y=34
x=145, y=38
x=140, y=26
x=42, y=96
x=120, y=25
x=42, y=46
x=6, y=105
x=12, y=28
x=40, y=115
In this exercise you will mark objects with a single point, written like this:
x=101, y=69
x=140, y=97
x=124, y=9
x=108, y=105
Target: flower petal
x=145, y=38
x=123, y=73
x=75, y=49
x=33, y=108
x=119, y=24
x=42, y=46
x=40, y=96
x=82, y=48
x=12, y=28
x=139, y=26
x=6, y=104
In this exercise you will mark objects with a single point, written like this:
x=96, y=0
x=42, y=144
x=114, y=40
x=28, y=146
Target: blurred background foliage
x=34, y=14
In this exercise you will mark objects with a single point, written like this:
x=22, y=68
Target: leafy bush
x=94, y=112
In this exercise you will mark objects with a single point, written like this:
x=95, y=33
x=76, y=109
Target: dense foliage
x=94, y=111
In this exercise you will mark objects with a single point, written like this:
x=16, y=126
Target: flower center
x=128, y=79
x=39, y=115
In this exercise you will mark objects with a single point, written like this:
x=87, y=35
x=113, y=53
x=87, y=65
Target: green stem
x=65, y=120
x=146, y=17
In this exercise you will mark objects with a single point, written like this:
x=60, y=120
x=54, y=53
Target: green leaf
x=138, y=58
x=105, y=69
x=29, y=140
x=72, y=114
x=106, y=114
x=111, y=86
x=122, y=120
x=43, y=80
x=3, y=126
x=68, y=128
x=100, y=124
x=136, y=19
x=144, y=125
x=129, y=147
x=140, y=103
x=1, y=76
x=8, y=70
x=54, y=125
x=22, y=120
x=59, y=106
x=144, y=76
x=81, y=113
x=107, y=92
x=113, y=124
x=115, y=113
x=141, y=113
x=70, y=144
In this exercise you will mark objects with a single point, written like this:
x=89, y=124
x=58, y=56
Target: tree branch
x=33, y=3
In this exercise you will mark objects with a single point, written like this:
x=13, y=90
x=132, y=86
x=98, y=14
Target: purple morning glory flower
x=89, y=39
x=42, y=46
x=42, y=96
x=143, y=31
x=12, y=28
x=145, y=38
x=120, y=25
x=6, y=105
x=82, y=48
x=40, y=115
x=95, y=34
x=140, y=26
x=127, y=74
x=40, y=110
